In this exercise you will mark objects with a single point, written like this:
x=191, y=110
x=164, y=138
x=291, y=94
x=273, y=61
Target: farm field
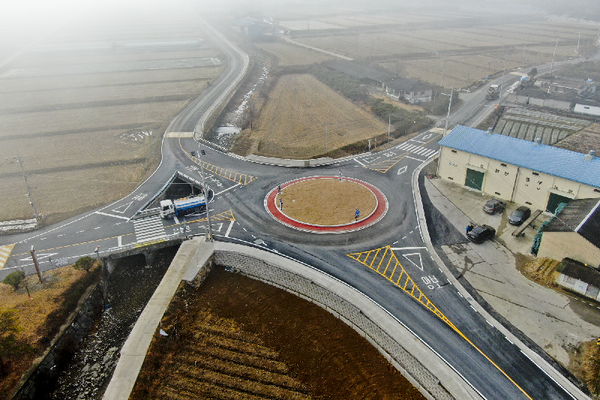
x=457, y=45
x=244, y=339
x=85, y=109
x=302, y=114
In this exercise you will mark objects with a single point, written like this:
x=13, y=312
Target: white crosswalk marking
x=5, y=253
x=179, y=134
x=149, y=228
x=419, y=150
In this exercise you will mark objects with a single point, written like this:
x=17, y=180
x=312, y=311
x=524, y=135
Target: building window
x=503, y=165
x=454, y=151
x=497, y=193
x=528, y=203
x=451, y=178
x=535, y=173
x=597, y=190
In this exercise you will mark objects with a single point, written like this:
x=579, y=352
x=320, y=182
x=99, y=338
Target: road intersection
x=389, y=261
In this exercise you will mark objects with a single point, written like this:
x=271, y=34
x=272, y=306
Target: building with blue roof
x=517, y=170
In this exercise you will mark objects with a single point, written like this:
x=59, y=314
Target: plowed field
x=237, y=338
x=303, y=118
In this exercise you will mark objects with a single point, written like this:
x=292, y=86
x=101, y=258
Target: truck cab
x=167, y=209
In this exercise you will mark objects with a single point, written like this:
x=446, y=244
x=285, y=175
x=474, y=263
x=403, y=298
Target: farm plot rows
x=303, y=118
x=235, y=338
x=90, y=137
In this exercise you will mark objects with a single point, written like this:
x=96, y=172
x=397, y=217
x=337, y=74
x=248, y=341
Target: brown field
x=300, y=111
x=242, y=339
x=326, y=201
x=88, y=123
x=286, y=55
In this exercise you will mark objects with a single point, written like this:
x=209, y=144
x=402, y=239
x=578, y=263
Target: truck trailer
x=179, y=207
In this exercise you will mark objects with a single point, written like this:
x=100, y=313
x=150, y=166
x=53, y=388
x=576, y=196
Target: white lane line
x=417, y=159
x=111, y=215
x=223, y=191
x=229, y=229
x=176, y=219
x=120, y=241
x=359, y=162
x=408, y=248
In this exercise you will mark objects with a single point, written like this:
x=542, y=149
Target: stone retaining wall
x=407, y=364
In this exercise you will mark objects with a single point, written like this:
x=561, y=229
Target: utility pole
x=35, y=213
x=553, y=56
x=35, y=262
x=449, y=107
x=209, y=228
x=326, y=151
x=444, y=71
x=503, y=73
x=389, y=126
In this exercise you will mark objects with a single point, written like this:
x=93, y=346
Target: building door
x=474, y=179
x=554, y=200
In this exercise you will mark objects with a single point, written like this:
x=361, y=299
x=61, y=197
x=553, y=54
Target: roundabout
x=326, y=204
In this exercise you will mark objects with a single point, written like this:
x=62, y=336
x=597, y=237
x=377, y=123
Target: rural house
x=574, y=233
x=412, y=91
x=579, y=278
x=516, y=170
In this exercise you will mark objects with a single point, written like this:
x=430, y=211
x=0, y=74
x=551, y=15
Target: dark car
x=494, y=206
x=481, y=233
x=519, y=216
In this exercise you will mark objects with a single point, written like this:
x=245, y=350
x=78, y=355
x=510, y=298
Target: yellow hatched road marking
x=236, y=177
x=224, y=216
x=5, y=253
x=369, y=258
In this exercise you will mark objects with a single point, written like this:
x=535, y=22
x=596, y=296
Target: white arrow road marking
x=229, y=229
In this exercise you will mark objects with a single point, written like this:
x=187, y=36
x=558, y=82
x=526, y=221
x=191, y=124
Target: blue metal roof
x=523, y=153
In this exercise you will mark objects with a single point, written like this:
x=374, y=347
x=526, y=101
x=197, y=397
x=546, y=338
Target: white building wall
x=509, y=182
x=583, y=109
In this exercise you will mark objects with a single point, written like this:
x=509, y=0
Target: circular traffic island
x=324, y=204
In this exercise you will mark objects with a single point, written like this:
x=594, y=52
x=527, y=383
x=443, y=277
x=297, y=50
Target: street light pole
x=449, y=107
x=209, y=228
x=389, y=126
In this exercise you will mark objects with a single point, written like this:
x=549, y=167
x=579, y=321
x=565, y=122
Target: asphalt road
x=479, y=352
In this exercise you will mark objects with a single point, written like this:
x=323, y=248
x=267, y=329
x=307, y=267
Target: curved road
x=490, y=363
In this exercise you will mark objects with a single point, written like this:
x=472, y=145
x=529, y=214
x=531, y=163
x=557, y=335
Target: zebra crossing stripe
x=5, y=253
x=149, y=228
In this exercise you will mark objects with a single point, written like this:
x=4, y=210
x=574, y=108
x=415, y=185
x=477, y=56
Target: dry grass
x=287, y=54
x=326, y=201
x=540, y=270
x=300, y=112
x=41, y=316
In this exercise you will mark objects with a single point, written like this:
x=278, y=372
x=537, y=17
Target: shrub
x=86, y=263
x=14, y=279
x=8, y=344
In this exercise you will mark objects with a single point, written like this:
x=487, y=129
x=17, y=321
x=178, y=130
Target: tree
x=533, y=72
x=86, y=263
x=14, y=279
x=8, y=343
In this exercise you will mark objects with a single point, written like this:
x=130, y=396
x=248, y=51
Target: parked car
x=519, y=216
x=494, y=206
x=481, y=233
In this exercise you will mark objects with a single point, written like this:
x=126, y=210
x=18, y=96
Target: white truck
x=493, y=92
x=179, y=207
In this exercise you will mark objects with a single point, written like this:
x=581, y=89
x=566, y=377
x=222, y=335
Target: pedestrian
x=281, y=204
x=356, y=214
x=278, y=189
x=469, y=227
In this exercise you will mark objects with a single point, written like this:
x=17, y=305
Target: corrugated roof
x=547, y=159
